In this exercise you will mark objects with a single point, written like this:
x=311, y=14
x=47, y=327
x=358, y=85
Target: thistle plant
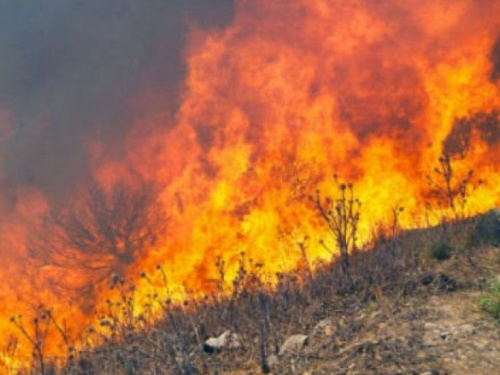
x=341, y=215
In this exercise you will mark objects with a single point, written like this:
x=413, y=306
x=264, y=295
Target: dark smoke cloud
x=495, y=59
x=69, y=68
x=460, y=138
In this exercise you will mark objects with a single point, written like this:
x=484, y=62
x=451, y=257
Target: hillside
x=420, y=302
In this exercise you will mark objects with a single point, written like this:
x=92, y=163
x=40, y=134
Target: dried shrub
x=440, y=251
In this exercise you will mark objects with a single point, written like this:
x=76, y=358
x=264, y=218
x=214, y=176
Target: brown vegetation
x=366, y=311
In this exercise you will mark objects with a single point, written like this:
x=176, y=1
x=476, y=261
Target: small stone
x=293, y=344
x=324, y=327
x=226, y=340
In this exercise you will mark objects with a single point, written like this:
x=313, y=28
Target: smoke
x=70, y=70
x=460, y=139
x=495, y=59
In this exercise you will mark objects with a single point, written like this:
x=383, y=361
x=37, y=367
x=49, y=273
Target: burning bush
x=101, y=233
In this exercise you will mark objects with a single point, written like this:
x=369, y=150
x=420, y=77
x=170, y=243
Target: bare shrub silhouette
x=448, y=190
x=103, y=233
x=341, y=215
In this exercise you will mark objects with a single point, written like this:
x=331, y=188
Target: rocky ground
x=439, y=329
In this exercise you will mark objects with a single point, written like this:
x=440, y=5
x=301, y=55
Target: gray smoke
x=495, y=59
x=68, y=69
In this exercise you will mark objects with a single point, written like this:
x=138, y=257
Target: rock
x=324, y=327
x=487, y=230
x=293, y=344
x=227, y=340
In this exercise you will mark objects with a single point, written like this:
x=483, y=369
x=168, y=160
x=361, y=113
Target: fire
x=293, y=91
x=288, y=94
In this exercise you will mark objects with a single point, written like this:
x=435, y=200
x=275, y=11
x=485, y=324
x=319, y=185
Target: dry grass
x=383, y=285
x=391, y=272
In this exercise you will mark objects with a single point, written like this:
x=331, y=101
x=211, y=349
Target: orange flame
x=288, y=94
x=293, y=91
